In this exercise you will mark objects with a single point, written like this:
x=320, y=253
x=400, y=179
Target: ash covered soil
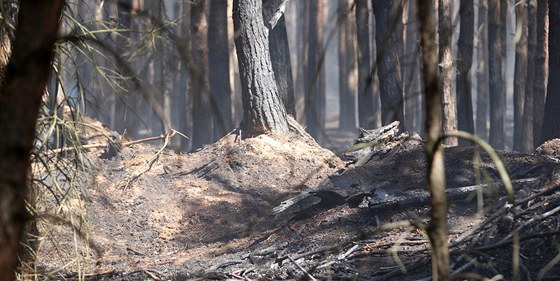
x=208, y=215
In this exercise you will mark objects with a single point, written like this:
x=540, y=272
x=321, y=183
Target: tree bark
x=388, y=66
x=446, y=71
x=520, y=75
x=437, y=230
x=315, y=76
x=465, y=120
x=346, y=64
x=20, y=99
x=202, y=110
x=482, y=98
x=263, y=111
x=497, y=89
x=280, y=53
x=527, y=140
x=411, y=70
x=541, y=70
x=551, y=122
x=218, y=67
x=365, y=84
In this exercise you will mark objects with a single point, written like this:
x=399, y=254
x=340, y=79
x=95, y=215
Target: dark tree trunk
x=388, y=66
x=497, y=89
x=346, y=64
x=315, y=76
x=280, y=54
x=527, y=143
x=365, y=83
x=218, y=67
x=520, y=75
x=202, y=110
x=263, y=111
x=411, y=70
x=551, y=122
x=482, y=72
x=437, y=230
x=541, y=70
x=465, y=120
x=20, y=99
x=446, y=71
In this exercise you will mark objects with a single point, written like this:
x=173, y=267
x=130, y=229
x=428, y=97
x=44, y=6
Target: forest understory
x=146, y=214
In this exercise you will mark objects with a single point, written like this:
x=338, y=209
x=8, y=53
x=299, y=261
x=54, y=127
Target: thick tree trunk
x=541, y=70
x=315, y=76
x=202, y=110
x=482, y=98
x=20, y=99
x=280, y=52
x=437, y=230
x=465, y=120
x=365, y=83
x=446, y=72
x=497, y=87
x=520, y=75
x=551, y=122
x=263, y=111
x=527, y=143
x=388, y=66
x=346, y=64
x=218, y=67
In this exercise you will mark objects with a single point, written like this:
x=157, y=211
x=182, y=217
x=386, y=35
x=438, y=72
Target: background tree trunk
x=551, y=122
x=411, y=69
x=315, y=76
x=541, y=70
x=218, y=69
x=20, y=99
x=202, y=110
x=446, y=73
x=527, y=140
x=346, y=64
x=263, y=111
x=482, y=97
x=388, y=66
x=365, y=83
x=465, y=120
x=497, y=88
x=520, y=75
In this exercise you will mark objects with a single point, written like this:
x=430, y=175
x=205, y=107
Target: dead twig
x=302, y=269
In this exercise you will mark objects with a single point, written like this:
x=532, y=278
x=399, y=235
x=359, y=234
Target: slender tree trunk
x=541, y=70
x=218, y=67
x=530, y=80
x=482, y=100
x=551, y=122
x=437, y=230
x=346, y=63
x=202, y=110
x=446, y=66
x=263, y=111
x=465, y=120
x=520, y=75
x=315, y=78
x=497, y=89
x=20, y=99
x=365, y=84
x=388, y=66
x=411, y=70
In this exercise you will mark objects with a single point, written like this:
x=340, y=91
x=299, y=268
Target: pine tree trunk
x=482, y=98
x=315, y=78
x=551, y=122
x=497, y=87
x=218, y=67
x=388, y=66
x=465, y=120
x=346, y=59
x=202, y=110
x=541, y=70
x=446, y=74
x=263, y=111
x=530, y=80
x=365, y=81
x=520, y=75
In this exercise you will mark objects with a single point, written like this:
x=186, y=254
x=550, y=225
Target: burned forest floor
x=146, y=214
